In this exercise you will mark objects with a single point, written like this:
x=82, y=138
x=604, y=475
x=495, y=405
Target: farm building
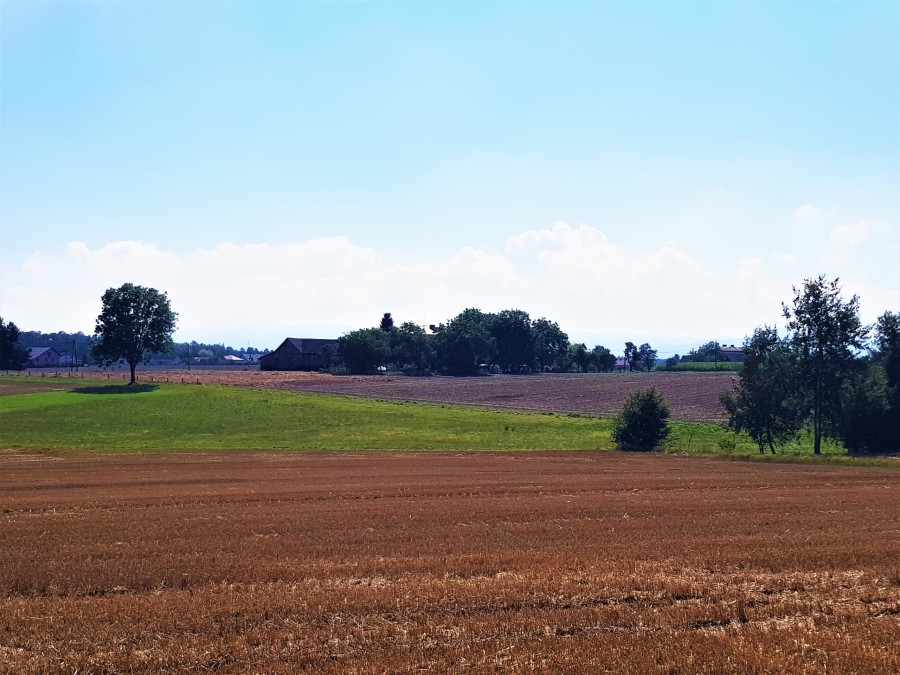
x=733, y=354
x=299, y=354
x=43, y=357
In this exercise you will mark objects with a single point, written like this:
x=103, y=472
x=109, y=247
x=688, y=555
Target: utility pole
x=74, y=362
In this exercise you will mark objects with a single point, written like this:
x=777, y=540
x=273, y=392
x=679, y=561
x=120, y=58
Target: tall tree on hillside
x=11, y=357
x=825, y=334
x=133, y=322
x=763, y=401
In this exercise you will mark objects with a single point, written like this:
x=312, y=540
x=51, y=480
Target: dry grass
x=369, y=563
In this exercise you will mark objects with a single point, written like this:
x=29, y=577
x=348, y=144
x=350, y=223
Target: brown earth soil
x=691, y=396
x=378, y=562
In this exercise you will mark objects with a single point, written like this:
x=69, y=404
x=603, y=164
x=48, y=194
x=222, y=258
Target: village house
x=43, y=357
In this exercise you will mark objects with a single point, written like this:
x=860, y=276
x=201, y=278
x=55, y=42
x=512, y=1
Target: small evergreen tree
x=643, y=423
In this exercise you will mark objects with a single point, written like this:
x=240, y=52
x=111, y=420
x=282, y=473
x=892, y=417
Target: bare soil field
x=382, y=562
x=692, y=396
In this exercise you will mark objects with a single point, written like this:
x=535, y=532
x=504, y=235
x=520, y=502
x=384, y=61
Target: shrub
x=644, y=422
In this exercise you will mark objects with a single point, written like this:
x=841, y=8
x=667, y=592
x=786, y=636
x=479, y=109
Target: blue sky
x=665, y=171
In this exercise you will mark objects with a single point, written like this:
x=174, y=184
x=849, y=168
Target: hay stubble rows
x=362, y=562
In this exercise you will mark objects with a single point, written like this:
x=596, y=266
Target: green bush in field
x=643, y=423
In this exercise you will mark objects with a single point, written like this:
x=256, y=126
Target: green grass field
x=703, y=367
x=63, y=415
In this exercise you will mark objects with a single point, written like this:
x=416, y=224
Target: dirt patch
x=11, y=386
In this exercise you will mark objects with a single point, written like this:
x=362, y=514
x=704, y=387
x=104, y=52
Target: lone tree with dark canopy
x=134, y=321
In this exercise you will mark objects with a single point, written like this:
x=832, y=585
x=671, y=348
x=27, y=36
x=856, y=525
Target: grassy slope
x=191, y=417
x=188, y=417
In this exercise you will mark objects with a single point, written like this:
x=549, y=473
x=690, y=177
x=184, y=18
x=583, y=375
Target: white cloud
x=843, y=240
x=847, y=236
x=132, y=261
x=576, y=276
x=806, y=212
x=785, y=258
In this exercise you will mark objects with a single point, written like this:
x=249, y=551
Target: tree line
x=829, y=374
x=14, y=346
x=474, y=341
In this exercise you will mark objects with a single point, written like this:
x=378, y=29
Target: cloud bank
x=574, y=275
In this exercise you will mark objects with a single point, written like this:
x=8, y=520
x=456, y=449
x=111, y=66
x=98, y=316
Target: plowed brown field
x=691, y=396
x=375, y=562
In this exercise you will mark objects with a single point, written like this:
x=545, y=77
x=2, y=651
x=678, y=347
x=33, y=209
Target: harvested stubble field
x=389, y=562
x=692, y=396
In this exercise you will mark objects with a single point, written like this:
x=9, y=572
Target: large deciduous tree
x=579, y=356
x=134, y=321
x=11, y=357
x=604, y=360
x=763, y=401
x=887, y=354
x=709, y=352
x=465, y=342
x=644, y=358
x=871, y=394
x=826, y=333
x=630, y=355
x=364, y=350
x=511, y=330
x=887, y=341
x=551, y=344
x=412, y=349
